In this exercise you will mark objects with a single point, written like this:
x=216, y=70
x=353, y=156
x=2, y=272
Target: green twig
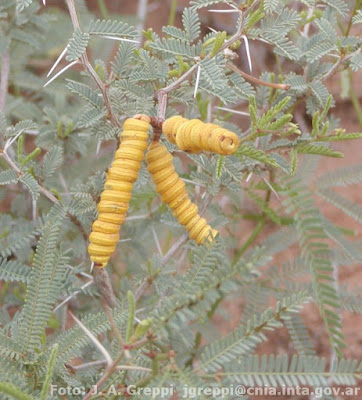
x=254, y=234
x=131, y=311
x=354, y=100
x=172, y=16
x=103, y=9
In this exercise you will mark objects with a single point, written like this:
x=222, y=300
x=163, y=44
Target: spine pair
x=195, y=136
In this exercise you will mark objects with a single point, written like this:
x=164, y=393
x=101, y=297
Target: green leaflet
x=77, y=45
x=320, y=150
x=111, y=28
x=255, y=154
x=245, y=338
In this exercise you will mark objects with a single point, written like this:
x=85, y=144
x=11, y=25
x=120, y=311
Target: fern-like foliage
x=87, y=93
x=9, y=348
x=318, y=256
x=341, y=177
x=111, y=28
x=259, y=155
x=77, y=45
x=175, y=47
x=246, y=337
x=44, y=282
x=300, y=336
x=73, y=341
x=346, y=205
x=277, y=371
x=13, y=391
x=31, y=183
x=8, y=176
x=57, y=142
x=14, y=271
x=191, y=24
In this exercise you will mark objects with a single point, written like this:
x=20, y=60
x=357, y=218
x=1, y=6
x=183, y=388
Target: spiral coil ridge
x=173, y=192
x=115, y=198
x=195, y=136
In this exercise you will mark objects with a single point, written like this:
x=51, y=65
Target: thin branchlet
x=88, y=67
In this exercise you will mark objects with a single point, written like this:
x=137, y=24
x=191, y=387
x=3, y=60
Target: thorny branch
x=101, y=278
x=88, y=67
x=172, y=251
x=49, y=195
x=341, y=60
x=162, y=94
x=250, y=78
x=141, y=16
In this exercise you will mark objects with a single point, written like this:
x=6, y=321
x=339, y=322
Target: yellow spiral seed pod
x=173, y=193
x=170, y=126
x=114, y=203
x=195, y=136
x=184, y=139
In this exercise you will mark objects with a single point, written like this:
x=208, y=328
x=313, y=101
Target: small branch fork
x=161, y=95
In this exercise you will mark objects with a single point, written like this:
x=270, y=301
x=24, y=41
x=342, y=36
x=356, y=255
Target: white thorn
x=93, y=339
x=120, y=39
x=124, y=240
x=44, y=3
x=224, y=11
x=247, y=49
x=91, y=268
x=12, y=140
x=81, y=272
x=33, y=209
x=157, y=241
x=248, y=177
x=60, y=72
x=192, y=182
x=57, y=60
x=233, y=111
x=32, y=132
x=197, y=80
x=63, y=183
x=98, y=147
x=212, y=29
x=72, y=295
x=271, y=188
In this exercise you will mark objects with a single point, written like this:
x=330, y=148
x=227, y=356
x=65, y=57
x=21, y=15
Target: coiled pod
x=173, y=192
x=195, y=136
x=115, y=198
